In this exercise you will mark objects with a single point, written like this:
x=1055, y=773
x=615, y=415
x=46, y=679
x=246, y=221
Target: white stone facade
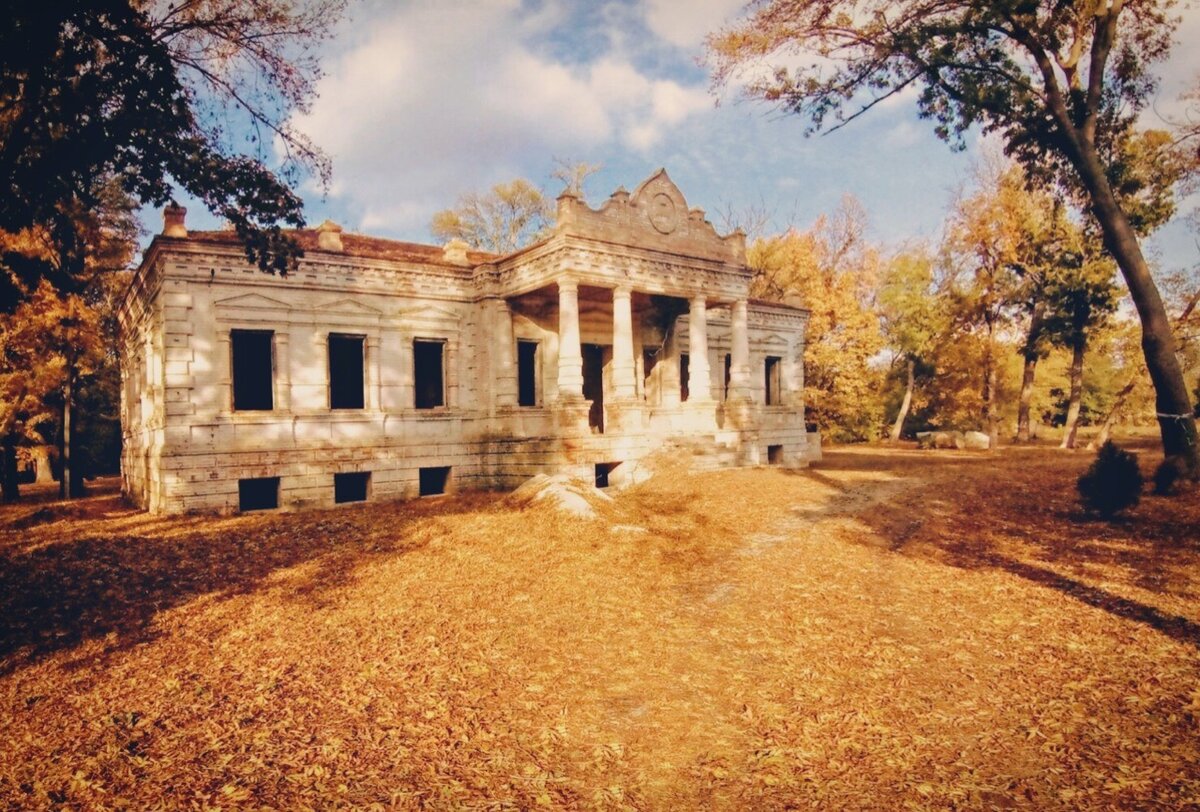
x=567, y=356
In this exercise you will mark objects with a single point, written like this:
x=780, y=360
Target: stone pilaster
x=283, y=373
x=506, y=367
x=373, y=369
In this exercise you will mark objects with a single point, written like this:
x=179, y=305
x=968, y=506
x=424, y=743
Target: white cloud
x=436, y=99
x=685, y=23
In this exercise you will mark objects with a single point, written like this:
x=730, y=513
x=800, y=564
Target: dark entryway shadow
x=59, y=589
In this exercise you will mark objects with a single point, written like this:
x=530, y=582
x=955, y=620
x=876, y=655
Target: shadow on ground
x=1025, y=520
x=80, y=571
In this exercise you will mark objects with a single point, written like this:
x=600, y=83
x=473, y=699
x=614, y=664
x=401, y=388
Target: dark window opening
x=771, y=368
x=350, y=487
x=775, y=455
x=346, y=372
x=603, y=473
x=261, y=493
x=429, y=373
x=683, y=377
x=594, y=356
x=527, y=357
x=433, y=481
x=253, y=370
x=728, y=373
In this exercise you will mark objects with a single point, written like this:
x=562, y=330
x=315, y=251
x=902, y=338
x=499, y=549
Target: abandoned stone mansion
x=381, y=369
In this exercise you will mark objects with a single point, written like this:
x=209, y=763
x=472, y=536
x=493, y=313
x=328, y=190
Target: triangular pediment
x=252, y=301
x=429, y=312
x=661, y=202
x=347, y=306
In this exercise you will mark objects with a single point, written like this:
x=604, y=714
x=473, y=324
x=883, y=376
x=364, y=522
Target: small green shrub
x=1112, y=483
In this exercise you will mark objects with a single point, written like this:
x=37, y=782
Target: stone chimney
x=455, y=252
x=738, y=242
x=329, y=236
x=173, y=216
x=567, y=203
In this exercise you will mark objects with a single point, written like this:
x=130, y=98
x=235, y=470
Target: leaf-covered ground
x=893, y=629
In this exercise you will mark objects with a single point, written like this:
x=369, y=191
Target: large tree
x=985, y=236
x=1062, y=83
x=913, y=318
x=503, y=219
x=833, y=270
x=156, y=95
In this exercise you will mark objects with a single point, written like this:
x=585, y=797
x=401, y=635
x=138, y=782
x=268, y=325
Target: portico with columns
x=627, y=330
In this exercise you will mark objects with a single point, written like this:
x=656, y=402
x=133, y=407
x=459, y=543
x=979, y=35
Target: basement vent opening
x=260, y=493
x=350, y=487
x=775, y=455
x=604, y=471
x=433, y=481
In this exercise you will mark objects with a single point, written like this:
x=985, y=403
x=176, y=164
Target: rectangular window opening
x=775, y=455
x=683, y=377
x=253, y=370
x=771, y=368
x=527, y=363
x=429, y=373
x=728, y=373
x=260, y=493
x=433, y=481
x=351, y=487
x=346, y=370
x=604, y=472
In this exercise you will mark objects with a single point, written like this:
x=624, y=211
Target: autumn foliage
x=891, y=630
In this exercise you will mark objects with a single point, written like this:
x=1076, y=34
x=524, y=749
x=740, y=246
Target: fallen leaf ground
x=892, y=629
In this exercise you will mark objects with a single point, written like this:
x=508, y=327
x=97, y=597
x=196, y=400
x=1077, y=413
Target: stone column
x=570, y=354
x=624, y=369
x=699, y=386
x=739, y=363
x=506, y=368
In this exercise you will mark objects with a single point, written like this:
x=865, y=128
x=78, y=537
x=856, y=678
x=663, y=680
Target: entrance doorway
x=594, y=357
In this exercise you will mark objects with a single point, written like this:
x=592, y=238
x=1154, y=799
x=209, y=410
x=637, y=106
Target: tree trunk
x=1023, y=432
x=1106, y=427
x=1177, y=423
x=990, y=416
x=1031, y=361
x=1126, y=390
x=898, y=426
x=1072, y=424
x=64, y=484
x=10, y=489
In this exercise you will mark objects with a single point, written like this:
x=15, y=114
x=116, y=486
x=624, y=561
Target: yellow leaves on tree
x=831, y=270
x=48, y=343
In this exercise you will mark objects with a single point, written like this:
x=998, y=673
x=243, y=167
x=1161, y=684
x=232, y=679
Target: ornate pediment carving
x=656, y=216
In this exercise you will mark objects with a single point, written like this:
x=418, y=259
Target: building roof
x=354, y=245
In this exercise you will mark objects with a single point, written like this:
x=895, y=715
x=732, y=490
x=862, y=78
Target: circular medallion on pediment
x=663, y=216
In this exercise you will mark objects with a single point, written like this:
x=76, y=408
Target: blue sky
x=423, y=101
